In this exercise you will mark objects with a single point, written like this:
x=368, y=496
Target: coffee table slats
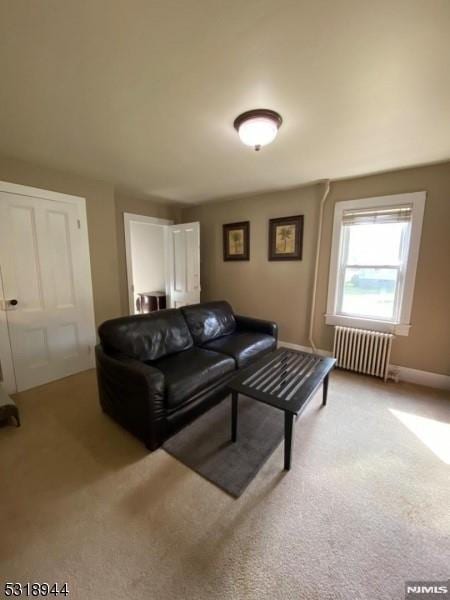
x=276, y=371
x=283, y=375
x=304, y=366
x=286, y=376
x=285, y=379
x=301, y=379
x=255, y=376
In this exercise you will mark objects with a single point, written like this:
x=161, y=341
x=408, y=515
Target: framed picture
x=236, y=241
x=286, y=238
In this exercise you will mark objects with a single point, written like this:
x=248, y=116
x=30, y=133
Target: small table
x=150, y=301
x=286, y=379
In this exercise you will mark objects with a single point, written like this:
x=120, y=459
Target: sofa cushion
x=189, y=372
x=209, y=320
x=243, y=347
x=147, y=337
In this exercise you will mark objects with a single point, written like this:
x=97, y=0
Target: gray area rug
x=205, y=446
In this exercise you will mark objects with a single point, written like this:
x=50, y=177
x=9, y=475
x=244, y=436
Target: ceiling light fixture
x=258, y=127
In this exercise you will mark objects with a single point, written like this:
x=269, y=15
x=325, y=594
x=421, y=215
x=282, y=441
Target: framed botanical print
x=286, y=238
x=236, y=241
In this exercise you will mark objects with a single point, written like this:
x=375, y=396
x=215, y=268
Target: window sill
x=361, y=323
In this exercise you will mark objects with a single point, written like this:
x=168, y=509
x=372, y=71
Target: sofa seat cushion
x=186, y=373
x=244, y=347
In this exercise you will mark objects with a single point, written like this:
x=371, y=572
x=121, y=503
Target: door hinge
x=79, y=223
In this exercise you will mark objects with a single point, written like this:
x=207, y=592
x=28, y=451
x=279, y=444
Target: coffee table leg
x=288, y=435
x=325, y=391
x=234, y=415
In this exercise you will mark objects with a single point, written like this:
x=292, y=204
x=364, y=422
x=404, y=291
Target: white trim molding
x=402, y=324
x=25, y=190
x=396, y=372
x=427, y=378
x=304, y=348
x=372, y=324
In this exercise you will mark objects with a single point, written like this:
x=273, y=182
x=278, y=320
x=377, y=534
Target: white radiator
x=362, y=350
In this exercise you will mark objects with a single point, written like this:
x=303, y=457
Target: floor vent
x=362, y=350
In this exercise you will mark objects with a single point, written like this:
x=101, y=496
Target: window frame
x=402, y=324
x=344, y=264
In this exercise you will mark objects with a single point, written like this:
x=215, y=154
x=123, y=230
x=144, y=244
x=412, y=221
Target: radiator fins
x=362, y=350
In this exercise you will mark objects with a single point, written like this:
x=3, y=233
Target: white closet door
x=47, y=293
x=184, y=264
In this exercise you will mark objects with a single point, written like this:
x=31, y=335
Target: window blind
x=395, y=214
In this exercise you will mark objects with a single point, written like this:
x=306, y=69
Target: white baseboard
x=304, y=348
x=434, y=380
x=427, y=378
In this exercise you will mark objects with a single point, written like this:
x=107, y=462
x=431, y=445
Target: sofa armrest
x=257, y=325
x=132, y=393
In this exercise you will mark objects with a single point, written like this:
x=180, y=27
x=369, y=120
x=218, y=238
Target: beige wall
x=105, y=225
x=282, y=290
x=273, y=290
x=150, y=207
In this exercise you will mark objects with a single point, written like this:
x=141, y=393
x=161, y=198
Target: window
x=373, y=262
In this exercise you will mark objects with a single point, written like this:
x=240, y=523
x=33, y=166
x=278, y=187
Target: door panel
x=184, y=264
x=23, y=277
x=62, y=270
x=35, y=342
x=192, y=240
x=179, y=261
x=41, y=257
x=66, y=340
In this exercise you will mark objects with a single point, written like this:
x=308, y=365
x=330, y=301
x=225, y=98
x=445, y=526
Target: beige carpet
x=365, y=506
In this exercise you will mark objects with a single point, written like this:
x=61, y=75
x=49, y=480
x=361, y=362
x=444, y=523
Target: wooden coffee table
x=286, y=379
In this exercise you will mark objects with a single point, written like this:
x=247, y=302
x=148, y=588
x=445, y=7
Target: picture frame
x=236, y=241
x=286, y=238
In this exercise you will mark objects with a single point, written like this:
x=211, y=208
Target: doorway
x=163, y=263
x=145, y=242
x=47, y=328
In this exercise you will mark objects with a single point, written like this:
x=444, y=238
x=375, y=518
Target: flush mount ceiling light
x=258, y=127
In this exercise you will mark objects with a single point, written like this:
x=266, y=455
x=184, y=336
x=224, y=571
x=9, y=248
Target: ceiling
x=143, y=93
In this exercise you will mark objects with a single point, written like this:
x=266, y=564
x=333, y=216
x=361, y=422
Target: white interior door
x=183, y=264
x=46, y=295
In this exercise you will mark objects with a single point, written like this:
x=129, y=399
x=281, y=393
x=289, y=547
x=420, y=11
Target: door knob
x=8, y=304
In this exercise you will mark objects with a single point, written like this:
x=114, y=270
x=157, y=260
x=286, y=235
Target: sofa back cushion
x=147, y=337
x=209, y=320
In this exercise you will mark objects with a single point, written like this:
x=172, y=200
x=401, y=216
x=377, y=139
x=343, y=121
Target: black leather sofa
x=158, y=372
